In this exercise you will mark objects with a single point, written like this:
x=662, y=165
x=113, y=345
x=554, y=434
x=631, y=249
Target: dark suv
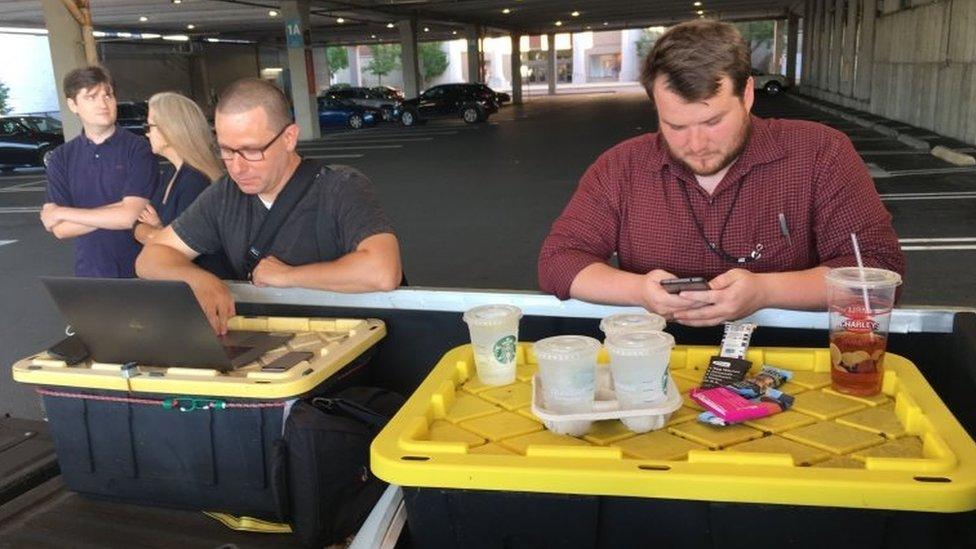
x=22, y=146
x=364, y=97
x=470, y=102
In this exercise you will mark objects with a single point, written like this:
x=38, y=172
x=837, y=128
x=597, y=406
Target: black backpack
x=325, y=488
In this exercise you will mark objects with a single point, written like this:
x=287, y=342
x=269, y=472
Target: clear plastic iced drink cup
x=639, y=366
x=494, y=336
x=859, y=302
x=567, y=371
x=628, y=322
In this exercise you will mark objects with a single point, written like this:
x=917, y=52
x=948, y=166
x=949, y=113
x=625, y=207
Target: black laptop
x=151, y=322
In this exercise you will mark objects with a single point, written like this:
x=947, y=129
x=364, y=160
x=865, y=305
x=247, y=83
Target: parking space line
x=932, y=248
x=24, y=190
x=25, y=184
x=893, y=152
x=333, y=156
x=20, y=209
x=925, y=171
x=351, y=147
x=5, y=242
x=928, y=196
x=945, y=239
x=417, y=133
x=377, y=140
x=930, y=244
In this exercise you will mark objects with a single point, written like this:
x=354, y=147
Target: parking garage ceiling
x=371, y=21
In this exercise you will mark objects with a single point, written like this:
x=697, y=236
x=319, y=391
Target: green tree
x=756, y=31
x=386, y=58
x=433, y=60
x=338, y=59
x=646, y=41
x=4, y=99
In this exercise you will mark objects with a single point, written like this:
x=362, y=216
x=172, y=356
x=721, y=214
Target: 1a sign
x=293, y=33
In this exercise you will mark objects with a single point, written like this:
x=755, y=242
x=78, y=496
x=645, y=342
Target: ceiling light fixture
x=390, y=25
x=340, y=20
x=454, y=32
x=559, y=23
x=697, y=4
x=143, y=19
x=426, y=29
x=191, y=26
x=506, y=11
x=177, y=1
x=575, y=14
x=149, y=36
x=373, y=36
x=605, y=23
x=176, y=37
x=701, y=12
x=124, y=34
x=272, y=13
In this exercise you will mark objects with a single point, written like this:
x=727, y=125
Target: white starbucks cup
x=494, y=336
x=567, y=371
x=628, y=322
x=639, y=366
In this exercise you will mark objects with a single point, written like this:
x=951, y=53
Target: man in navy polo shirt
x=98, y=182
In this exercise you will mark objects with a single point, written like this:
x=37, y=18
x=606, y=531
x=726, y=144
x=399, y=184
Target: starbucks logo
x=504, y=349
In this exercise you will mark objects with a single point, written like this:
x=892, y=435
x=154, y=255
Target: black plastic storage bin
x=190, y=440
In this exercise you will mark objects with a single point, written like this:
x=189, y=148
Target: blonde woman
x=178, y=131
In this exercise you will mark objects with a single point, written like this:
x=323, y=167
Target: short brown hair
x=85, y=78
x=248, y=93
x=694, y=56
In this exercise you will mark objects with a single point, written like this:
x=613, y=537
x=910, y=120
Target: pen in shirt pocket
x=785, y=229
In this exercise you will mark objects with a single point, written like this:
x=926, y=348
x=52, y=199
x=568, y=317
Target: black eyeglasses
x=251, y=155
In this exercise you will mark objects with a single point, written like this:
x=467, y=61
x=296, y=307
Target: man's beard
x=726, y=161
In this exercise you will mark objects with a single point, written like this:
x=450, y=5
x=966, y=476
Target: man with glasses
x=335, y=238
x=760, y=208
x=98, y=182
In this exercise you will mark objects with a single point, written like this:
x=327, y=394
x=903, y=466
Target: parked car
x=468, y=101
x=770, y=83
x=337, y=112
x=21, y=146
x=500, y=97
x=390, y=92
x=365, y=97
x=39, y=123
x=132, y=115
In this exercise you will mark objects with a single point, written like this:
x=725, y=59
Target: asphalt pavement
x=472, y=204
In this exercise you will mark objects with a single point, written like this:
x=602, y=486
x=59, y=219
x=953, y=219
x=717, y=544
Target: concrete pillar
x=630, y=65
x=848, y=45
x=774, y=65
x=579, y=58
x=793, y=34
x=551, y=73
x=474, y=55
x=301, y=71
x=836, y=46
x=200, y=83
x=496, y=78
x=408, y=57
x=67, y=54
x=516, y=69
x=323, y=72
x=865, y=51
x=824, y=29
x=355, y=74
x=808, y=10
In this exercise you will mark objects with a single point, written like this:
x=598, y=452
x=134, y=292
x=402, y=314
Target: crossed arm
x=65, y=222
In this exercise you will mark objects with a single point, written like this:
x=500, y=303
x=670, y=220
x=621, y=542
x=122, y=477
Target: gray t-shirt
x=338, y=212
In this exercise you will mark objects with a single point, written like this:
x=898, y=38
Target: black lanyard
x=717, y=248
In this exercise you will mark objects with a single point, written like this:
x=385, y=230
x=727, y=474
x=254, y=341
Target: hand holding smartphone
x=678, y=285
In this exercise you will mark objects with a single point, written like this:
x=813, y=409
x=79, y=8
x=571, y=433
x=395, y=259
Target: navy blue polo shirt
x=81, y=174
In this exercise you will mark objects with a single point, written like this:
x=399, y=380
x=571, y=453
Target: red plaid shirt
x=630, y=202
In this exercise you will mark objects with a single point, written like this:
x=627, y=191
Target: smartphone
x=678, y=285
x=284, y=362
x=70, y=349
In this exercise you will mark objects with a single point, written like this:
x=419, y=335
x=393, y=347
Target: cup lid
x=492, y=315
x=851, y=277
x=639, y=342
x=630, y=321
x=567, y=347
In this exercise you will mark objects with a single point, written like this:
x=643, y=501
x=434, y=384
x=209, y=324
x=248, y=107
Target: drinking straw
x=860, y=270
